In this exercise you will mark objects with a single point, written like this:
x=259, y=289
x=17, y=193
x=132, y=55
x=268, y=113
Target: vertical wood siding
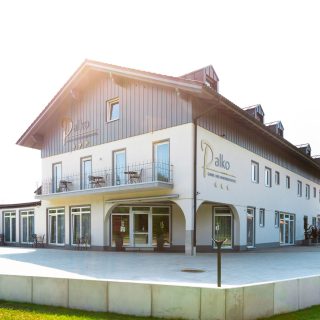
x=143, y=108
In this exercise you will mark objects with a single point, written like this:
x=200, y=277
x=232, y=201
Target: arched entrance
x=142, y=225
x=217, y=221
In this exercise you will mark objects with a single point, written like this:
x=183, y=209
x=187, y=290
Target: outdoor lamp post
x=219, y=245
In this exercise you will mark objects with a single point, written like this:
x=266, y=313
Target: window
x=267, y=177
x=56, y=226
x=287, y=182
x=299, y=188
x=56, y=177
x=314, y=221
x=27, y=226
x=277, y=177
x=276, y=219
x=81, y=225
x=307, y=191
x=254, y=172
x=161, y=158
x=113, y=110
x=86, y=171
x=10, y=226
x=314, y=192
x=119, y=165
x=261, y=217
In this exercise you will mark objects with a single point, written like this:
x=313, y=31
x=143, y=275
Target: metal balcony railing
x=108, y=178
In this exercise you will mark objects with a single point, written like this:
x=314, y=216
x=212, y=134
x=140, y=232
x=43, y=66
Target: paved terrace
x=237, y=268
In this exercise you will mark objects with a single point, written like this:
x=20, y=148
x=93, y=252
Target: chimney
x=256, y=111
x=276, y=127
x=206, y=75
x=305, y=148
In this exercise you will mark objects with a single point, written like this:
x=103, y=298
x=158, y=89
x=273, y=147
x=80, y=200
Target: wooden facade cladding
x=231, y=129
x=82, y=122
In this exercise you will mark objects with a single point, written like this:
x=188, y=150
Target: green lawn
x=24, y=311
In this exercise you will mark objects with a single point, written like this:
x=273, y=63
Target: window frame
x=299, y=191
x=277, y=178
x=254, y=171
x=56, y=212
x=288, y=182
x=307, y=189
x=110, y=103
x=277, y=219
x=314, y=192
x=262, y=217
x=268, y=177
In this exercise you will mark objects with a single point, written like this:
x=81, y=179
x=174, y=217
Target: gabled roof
x=275, y=123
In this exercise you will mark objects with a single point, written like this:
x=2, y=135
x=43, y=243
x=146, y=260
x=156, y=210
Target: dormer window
x=276, y=127
x=256, y=111
x=113, y=110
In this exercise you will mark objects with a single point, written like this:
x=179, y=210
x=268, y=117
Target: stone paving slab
x=237, y=268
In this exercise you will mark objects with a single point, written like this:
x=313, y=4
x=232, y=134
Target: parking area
x=237, y=268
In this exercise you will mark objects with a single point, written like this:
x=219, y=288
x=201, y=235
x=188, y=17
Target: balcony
x=135, y=177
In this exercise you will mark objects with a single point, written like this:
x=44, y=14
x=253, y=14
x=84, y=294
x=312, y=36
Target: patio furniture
x=83, y=243
x=134, y=176
x=1, y=239
x=38, y=240
x=64, y=185
x=96, y=181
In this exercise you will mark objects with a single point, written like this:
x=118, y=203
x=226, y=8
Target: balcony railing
x=109, y=178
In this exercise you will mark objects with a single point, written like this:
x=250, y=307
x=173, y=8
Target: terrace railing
x=109, y=178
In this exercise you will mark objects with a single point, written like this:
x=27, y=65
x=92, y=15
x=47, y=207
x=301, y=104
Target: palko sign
x=212, y=163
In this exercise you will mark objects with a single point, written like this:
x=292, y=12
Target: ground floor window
x=10, y=226
x=56, y=218
x=81, y=225
x=140, y=226
x=27, y=226
x=287, y=228
x=223, y=226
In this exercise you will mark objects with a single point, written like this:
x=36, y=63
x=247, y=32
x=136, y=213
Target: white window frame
x=56, y=212
x=28, y=214
x=56, y=176
x=110, y=105
x=254, y=172
x=307, y=191
x=276, y=219
x=299, y=184
x=288, y=182
x=277, y=178
x=9, y=215
x=314, y=192
x=82, y=210
x=267, y=177
x=262, y=216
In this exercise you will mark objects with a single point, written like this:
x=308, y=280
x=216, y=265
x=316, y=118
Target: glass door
x=162, y=161
x=81, y=225
x=56, y=177
x=250, y=227
x=56, y=226
x=142, y=228
x=9, y=227
x=223, y=226
x=119, y=165
x=27, y=223
x=287, y=228
x=86, y=171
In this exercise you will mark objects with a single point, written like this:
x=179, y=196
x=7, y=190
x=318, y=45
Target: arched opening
x=217, y=221
x=140, y=225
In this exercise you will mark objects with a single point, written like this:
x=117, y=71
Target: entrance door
x=286, y=228
x=222, y=226
x=250, y=227
x=27, y=229
x=141, y=229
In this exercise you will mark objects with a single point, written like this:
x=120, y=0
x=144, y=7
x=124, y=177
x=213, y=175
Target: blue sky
x=264, y=52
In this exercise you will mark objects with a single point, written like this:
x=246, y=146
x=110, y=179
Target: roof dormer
x=276, y=127
x=206, y=75
x=255, y=111
x=305, y=148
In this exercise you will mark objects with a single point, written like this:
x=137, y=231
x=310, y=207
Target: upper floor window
x=254, y=172
x=314, y=221
x=314, y=192
x=307, y=191
x=267, y=177
x=287, y=182
x=119, y=167
x=56, y=176
x=113, y=110
x=161, y=158
x=277, y=177
x=299, y=188
x=276, y=219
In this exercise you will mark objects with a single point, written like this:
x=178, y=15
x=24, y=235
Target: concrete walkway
x=237, y=268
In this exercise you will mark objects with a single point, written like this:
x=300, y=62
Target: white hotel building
x=132, y=153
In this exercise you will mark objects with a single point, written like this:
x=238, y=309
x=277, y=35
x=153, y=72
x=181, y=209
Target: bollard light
x=219, y=245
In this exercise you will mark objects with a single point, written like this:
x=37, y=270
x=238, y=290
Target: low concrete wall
x=166, y=301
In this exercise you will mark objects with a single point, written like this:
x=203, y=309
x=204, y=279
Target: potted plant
x=160, y=236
